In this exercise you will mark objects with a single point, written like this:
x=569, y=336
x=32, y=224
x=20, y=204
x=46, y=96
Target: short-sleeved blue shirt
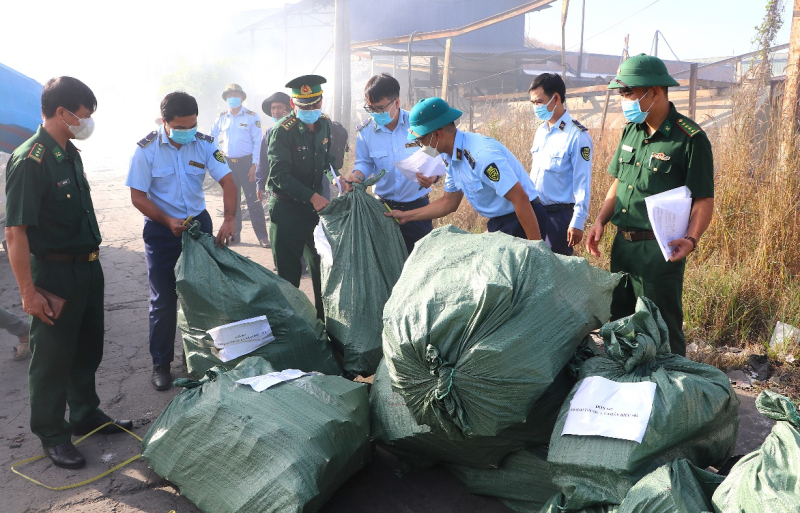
x=485, y=171
x=173, y=177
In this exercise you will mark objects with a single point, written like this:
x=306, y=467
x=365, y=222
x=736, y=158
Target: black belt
x=399, y=205
x=555, y=207
x=514, y=213
x=637, y=235
x=56, y=257
x=240, y=159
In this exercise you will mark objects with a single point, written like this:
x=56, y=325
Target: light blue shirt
x=239, y=135
x=485, y=170
x=561, y=167
x=378, y=148
x=172, y=177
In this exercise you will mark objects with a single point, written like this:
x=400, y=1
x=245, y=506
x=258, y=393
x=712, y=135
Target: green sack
x=419, y=446
x=286, y=449
x=523, y=481
x=694, y=414
x=676, y=487
x=368, y=256
x=768, y=479
x=479, y=326
x=217, y=286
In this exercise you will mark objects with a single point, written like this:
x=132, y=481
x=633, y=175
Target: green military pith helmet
x=306, y=90
x=230, y=88
x=642, y=71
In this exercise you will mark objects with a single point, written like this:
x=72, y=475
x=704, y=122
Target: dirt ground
x=123, y=383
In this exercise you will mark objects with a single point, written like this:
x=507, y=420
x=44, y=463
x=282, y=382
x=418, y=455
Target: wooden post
x=471, y=113
x=564, y=7
x=791, y=96
x=338, y=41
x=605, y=111
x=580, y=56
x=446, y=73
x=346, y=89
x=693, y=90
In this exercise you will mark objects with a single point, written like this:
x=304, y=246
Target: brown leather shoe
x=65, y=456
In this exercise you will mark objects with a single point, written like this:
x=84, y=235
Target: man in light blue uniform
x=478, y=167
x=166, y=180
x=382, y=140
x=238, y=131
x=561, y=166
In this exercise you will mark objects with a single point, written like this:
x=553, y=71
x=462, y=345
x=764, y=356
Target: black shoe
x=97, y=420
x=65, y=456
x=161, y=378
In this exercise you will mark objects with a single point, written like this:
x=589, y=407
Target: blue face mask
x=182, y=136
x=542, y=112
x=632, y=110
x=234, y=101
x=381, y=118
x=309, y=117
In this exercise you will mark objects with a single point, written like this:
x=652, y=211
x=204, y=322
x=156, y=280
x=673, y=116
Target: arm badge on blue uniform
x=258, y=124
x=580, y=127
x=492, y=172
x=586, y=152
x=219, y=156
x=148, y=139
x=469, y=159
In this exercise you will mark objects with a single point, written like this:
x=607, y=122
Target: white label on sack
x=322, y=245
x=265, y=381
x=602, y=407
x=242, y=337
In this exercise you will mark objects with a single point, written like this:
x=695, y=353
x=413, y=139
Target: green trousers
x=66, y=354
x=649, y=275
x=291, y=233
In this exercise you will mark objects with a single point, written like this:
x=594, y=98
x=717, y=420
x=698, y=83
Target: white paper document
x=242, y=337
x=669, y=214
x=265, y=381
x=421, y=163
x=602, y=407
x=322, y=245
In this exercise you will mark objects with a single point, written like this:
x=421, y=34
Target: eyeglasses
x=378, y=110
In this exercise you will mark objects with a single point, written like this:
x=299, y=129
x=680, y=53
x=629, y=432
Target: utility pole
x=446, y=74
x=791, y=109
x=338, y=42
x=580, y=57
x=346, y=89
x=564, y=7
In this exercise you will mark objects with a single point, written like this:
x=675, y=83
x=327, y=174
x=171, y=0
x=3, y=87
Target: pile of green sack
x=217, y=286
x=230, y=449
x=362, y=262
x=476, y=332
x=694, y=415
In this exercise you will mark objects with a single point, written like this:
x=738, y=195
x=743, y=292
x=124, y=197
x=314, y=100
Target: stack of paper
x=422, y=163
x=242, y=337
x=265, y=381
x=669, y=214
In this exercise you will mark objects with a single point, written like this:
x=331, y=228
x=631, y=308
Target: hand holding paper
x=421, y=163
x=669, y=214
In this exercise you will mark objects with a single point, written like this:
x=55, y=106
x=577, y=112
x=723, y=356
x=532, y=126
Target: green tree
x=765, y=38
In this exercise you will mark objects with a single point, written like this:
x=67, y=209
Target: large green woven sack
x=694, y=414
x=368, y=256
x=286, y=449
x=479, y=326
x=217, y=286
x=768, y=479
x=677, y=487
x=522, y=482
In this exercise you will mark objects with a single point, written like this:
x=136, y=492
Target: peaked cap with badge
x=306, y=90
x=428, y=115
x=642, y=71
x=233, y=88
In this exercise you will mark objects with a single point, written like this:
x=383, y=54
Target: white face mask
x=431, y=151
x=83, y=130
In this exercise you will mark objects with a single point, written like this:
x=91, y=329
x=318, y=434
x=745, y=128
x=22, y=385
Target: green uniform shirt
x=46, y=190
x=299, y=157
x=677, y=154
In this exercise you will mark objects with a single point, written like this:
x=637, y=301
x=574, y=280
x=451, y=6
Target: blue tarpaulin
x=20, y=108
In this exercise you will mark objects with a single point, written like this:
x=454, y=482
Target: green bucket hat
x=230, y=88
x=642, y=71
x=428, y=115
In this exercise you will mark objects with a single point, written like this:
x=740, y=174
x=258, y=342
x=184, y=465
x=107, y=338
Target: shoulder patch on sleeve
x=492, y=172
x=580, y=127
x=219, y=156
x=363, y=125
x=586, y=153
x=204, y=137
x=289, y=122
x=258, y=124
x=36, y=153
x=148, y=139
x=688, y=126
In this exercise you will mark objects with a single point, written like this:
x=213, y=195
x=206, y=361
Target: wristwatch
x=693, y=241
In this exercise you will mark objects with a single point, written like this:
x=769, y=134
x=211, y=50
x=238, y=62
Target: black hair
x=178, y=104
x=66, y=92
x=382, y=86
x=551, y=83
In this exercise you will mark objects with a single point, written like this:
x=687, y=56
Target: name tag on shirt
x=242, y=124
x=63, y=183
x=196, y=164
x=627, y=148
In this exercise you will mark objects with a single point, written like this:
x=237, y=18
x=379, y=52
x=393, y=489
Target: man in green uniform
x=53, y=244
x=299, y=154
x=660, y=150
